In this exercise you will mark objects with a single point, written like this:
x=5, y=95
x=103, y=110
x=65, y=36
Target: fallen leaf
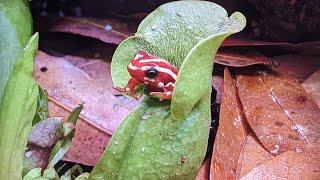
x=35, y=157
x=88, y=142
x=256, y=163
x=107, y=30
x=69, y=86
x=231, y=134
x=246, y=42
x=312, y=86
x=252, y=154
x=46, y=132
x=298, y=66
x=217, y=84
x=241, y=60
x=289, y=165
x=204, y=172
x=99, y=71
x=279, y=111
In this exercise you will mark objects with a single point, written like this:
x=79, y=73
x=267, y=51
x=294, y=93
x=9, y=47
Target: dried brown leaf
x=279, y=111
x=107, y=30
x=298, y=66
x=251, y=156
x=312, y=86
x=256, y=163
x=217, y=83
x=231, y=134
x=289, y=165
x=69, y=86
x=46, y=133
x=204, y=172
x=240, y=60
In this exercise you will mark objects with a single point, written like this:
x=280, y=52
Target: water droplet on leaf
x=108, y=27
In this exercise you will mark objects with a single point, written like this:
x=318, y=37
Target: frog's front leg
x=131, y=87
x=166, y=94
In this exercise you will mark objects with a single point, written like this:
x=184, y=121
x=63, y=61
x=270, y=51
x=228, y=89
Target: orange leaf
x=312, y=86
x=279, y=111
x=110, y=31
x=231, y=134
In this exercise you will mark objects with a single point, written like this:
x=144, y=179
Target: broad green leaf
x=168, y=140
x=16, y=29
x=149, y=144
x=191, y=85
x=17, y=110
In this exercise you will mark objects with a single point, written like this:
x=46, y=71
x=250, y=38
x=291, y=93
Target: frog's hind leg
x=162, y=95
x=166, y=94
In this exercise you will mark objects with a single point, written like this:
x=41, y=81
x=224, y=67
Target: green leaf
x=191, y=85
x=63, y=145
x=72, y=173
x=42, y=107
x=59, y=150
x=50, y=173
x=16, y=29
x=33, y=173
x=83, y=176
x=17, y=110
x=168, y=140
x=150, y=144
x=75, y=114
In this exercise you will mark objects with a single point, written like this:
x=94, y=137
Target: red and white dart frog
x=157, y=74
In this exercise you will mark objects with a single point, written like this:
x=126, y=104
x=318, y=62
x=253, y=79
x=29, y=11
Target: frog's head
x=149, y=69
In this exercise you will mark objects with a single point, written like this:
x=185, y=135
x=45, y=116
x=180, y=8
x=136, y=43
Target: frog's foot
x=121, y=89
x=131, y=91
x=162, y=95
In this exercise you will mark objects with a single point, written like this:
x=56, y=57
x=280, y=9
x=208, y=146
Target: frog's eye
x=151, y=72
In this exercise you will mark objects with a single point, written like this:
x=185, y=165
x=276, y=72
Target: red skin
x=160, y=86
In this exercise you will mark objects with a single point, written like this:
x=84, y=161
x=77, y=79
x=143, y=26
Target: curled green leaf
x=168, y=140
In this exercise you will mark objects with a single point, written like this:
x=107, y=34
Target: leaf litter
x=283, y=131
x=279, y=120
x=68, y=85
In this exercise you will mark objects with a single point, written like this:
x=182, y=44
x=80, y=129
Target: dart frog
x=156, y=74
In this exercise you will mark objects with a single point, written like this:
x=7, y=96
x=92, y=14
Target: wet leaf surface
x=35, y=157
x=46, y=133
